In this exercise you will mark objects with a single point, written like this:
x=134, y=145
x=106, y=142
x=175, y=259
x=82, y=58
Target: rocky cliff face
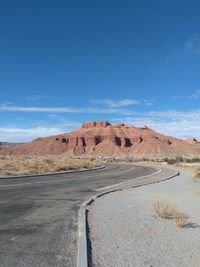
x=192, y=141
x=93, y=124
x=102, y=138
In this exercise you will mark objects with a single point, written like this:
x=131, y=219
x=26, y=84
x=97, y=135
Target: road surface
x=38, y=215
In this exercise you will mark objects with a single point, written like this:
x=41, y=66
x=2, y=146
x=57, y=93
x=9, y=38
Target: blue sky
x=65, y=62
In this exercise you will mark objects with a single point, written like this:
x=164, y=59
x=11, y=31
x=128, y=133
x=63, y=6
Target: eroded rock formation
x=102, y=138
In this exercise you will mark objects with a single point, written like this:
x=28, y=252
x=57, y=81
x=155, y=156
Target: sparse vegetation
x=180, y=219
x=171, y=161
x=193, y=160
x=167, y=211
x=179, y=160
x=28, y=165
x=196, y=175
x=163, y=210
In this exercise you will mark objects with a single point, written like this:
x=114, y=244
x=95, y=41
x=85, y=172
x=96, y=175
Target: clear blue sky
x=65, y=62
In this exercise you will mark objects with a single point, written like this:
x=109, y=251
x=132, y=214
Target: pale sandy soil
x=125, y=232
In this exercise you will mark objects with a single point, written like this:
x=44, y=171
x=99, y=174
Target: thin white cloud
x=149, y=102
x=93, y=110
x=192, y=45
x=16, y=134
x=177, y=97
x=171, y=122
x=115, y=104
x=194, y=96
x=191, y=42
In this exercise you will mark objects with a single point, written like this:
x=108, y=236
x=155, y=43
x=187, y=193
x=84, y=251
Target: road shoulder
x=84, y=244
x=124, y=232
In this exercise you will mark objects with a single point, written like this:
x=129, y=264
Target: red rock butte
x=103, y=138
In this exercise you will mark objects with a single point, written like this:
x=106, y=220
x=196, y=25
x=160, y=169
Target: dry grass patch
x=180, y=219
x=163, y=210
x=167, y=211
x=196, y=175
x=29, y=165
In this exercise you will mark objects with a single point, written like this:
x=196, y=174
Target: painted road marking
x=61, y=180
x=110, y=186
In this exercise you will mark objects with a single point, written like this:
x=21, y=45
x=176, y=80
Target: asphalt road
x=38, y=215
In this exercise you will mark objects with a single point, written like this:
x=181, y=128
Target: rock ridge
x=104, y=139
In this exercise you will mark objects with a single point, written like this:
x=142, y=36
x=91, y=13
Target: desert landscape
x=99, y=133
x=102, y=138
x=133, y=157
x=32, y=165
x=94, y=143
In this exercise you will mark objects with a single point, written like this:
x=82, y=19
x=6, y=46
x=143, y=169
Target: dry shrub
x=196, y=175
x=180, y=219
x=163, y=210
x=166, y=211
x=25, y=165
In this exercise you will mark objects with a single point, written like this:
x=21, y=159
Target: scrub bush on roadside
x=166, y=211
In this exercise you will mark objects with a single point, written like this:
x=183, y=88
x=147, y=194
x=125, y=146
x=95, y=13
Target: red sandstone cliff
x=102, y=138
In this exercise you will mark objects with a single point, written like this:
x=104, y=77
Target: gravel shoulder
x=125, y=232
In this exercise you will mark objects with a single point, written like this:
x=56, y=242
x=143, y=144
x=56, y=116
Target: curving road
x=38, y=215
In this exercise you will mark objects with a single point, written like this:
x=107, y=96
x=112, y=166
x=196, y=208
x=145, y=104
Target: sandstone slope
x=102, y=138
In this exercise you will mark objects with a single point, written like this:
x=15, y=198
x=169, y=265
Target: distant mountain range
x=9, y=144
x=102, y=138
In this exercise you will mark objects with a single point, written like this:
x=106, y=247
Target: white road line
x=13, y=185
x=56, y=181
x=42, y=182
x=145, y=176
x=117, y=172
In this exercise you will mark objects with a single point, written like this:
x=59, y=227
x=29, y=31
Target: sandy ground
x=124, y=231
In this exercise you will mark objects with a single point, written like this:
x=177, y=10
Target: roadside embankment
x=125, y=231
